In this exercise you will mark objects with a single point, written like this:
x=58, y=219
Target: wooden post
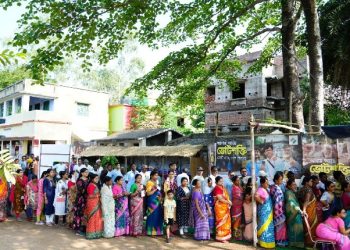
x=252, y=146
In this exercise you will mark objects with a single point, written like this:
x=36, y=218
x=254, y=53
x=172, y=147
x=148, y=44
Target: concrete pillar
x=25, y=103
x=143, y=142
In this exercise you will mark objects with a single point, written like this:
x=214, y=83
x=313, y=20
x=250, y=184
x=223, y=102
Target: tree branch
x=239, y=41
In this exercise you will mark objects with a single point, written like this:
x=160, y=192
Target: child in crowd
x=169, y=213
x=248, y=214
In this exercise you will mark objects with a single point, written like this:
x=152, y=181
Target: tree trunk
x=290, y=71
x=316, y=67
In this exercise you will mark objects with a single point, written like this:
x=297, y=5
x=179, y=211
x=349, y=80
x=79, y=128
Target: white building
x=33, y=114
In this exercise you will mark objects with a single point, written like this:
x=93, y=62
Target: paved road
x=27, y=236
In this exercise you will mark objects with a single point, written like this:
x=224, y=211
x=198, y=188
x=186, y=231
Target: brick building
x=264, y=95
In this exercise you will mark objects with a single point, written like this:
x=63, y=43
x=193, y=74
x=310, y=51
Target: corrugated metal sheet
x=158, y=151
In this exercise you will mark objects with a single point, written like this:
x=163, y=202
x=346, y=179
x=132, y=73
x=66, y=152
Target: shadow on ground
x=27, y=236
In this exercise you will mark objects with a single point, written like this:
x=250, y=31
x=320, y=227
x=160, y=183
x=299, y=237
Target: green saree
x=294, y=220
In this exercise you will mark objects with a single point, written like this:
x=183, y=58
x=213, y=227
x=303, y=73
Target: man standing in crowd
x=73, y=163
x=199, y=175
x=23, y=162
x=130, y=176
x=182, y=175
x=86, y=165
x=213, y=174
x=97, y=168
x=244, y=174
x=228, y=183
x=143, y=173
x=323, y=178
x=77, y=168
x=113, y=173
x=60, y=166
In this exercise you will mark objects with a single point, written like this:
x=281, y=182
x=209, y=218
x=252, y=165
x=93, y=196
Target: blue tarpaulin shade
x=337, y=132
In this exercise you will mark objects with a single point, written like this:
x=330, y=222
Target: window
x=1, y=109
x=211, y=91
x=18, y=105
x=30, y=107
x=180, y=122
x=46, y=105
x=239, y=92
x=37, y=106
x=269, y=89
x=9, y=107
x=82, y=109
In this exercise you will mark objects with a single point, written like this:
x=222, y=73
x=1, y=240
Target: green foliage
x=336, y=116
x=7, y=166
x=8, y=56
x=11, y=75
x=106, y=160
x=211, y=30
x=335, y=31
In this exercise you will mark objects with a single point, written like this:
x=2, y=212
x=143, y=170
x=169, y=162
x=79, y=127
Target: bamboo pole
x=252, y=127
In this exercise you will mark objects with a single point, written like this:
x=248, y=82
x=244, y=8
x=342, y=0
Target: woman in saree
x=345, y=198
x=170, y=182
x=71, y=197
x=31, y=197
x=334, y=229
x=266, y=233
x=209, y=202
x=40, y=207
x=17, y=193
x=279, y=215
x=200, y=214
x=93, y=212
x=137, y=193
x=3, y=197
x=318, y=194
x=183, y=206
x=154, y=212
x=294, y=216
x=108, y=208
x=222, y=211
x=122, y=219
x=237, y=207
x=308, y=203
x=79, y=223
x=328, y=200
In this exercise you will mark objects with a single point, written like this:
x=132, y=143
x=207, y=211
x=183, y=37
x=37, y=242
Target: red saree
x=93, y=213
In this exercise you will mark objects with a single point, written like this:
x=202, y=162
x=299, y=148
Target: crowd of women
x=98, y=206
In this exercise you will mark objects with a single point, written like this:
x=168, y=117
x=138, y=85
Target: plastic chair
x=317, y=240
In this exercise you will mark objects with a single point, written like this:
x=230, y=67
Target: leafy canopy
x=211, y=30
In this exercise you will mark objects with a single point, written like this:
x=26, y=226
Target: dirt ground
x=27, y=236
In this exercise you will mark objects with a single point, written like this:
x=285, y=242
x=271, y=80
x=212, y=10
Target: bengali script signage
x=231, y=150
x=328, y=168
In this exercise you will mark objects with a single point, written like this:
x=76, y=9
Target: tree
x=313, y=37
x=290, y=17
x=335, y=32
x=10, y=75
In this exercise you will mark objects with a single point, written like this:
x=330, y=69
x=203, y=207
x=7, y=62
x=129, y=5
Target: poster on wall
x=273, y=153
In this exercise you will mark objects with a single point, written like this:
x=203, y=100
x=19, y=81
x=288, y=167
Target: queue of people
x=100, y=201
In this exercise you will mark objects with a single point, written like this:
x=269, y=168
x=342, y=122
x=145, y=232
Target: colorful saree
x=136, y=210
x=266, y=234
x=279, y=216
x=40, y=206
x=122, y=220
x=209, y=199
x=248, y=219
x=3, y=198
x=154, y=212
x=79, y=221
x=72, y=195
x=201, y=225
x=329, y=230
x=222, y=215
x=294, y=220
x=108, y=211
x=237, y=206
x=311, y=212
x=18, y=194
x=31, y=199
x=93, y=213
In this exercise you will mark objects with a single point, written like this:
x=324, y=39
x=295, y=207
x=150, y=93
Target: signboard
x=51, y=154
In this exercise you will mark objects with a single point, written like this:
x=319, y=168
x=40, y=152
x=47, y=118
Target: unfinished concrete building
x=265, y=95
